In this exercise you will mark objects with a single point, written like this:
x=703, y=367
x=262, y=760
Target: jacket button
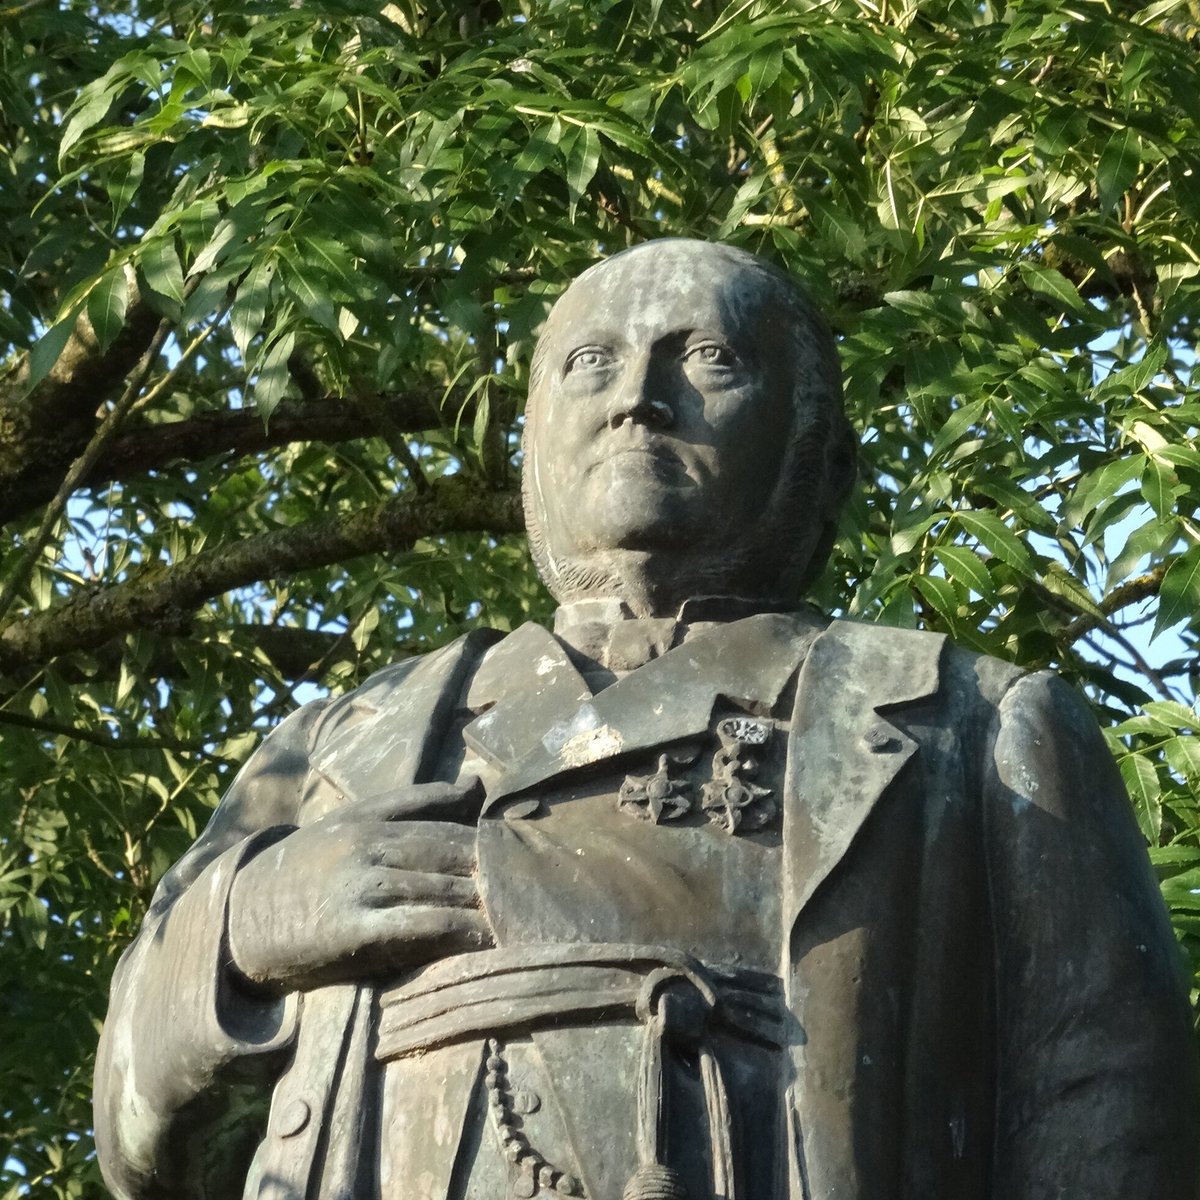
x=879, y=741
x=292, y=1118
x=525, y=1101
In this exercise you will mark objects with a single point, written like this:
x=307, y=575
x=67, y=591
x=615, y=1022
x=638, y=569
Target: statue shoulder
x=921, y=661
x=400, y=685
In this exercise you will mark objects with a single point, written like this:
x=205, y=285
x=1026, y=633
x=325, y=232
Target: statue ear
x=841, y=465
x=822, y=549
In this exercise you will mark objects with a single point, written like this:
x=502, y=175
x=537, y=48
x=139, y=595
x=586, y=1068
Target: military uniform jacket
x=986, y=996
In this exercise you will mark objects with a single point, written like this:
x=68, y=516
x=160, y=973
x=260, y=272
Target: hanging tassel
x=720, y=1125
x=653, y=1181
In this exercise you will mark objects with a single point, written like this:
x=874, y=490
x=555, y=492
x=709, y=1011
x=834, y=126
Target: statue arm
x=182, y=1031
x=1097, y=1086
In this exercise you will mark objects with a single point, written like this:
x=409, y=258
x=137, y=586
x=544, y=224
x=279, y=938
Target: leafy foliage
x=272, y=275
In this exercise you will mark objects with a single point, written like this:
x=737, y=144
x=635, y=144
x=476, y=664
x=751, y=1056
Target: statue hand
x=373, y=888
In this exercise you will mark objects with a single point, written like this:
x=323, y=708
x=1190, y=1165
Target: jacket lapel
x=668, y=699
x=523, y=687
x=388, y=733
x=844, y=751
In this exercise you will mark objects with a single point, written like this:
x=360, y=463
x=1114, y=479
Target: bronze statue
x=700, y=895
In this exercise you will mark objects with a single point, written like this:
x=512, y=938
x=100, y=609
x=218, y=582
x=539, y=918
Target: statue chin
x=634, y=512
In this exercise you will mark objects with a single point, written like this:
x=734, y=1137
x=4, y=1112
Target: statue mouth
x=654, y=457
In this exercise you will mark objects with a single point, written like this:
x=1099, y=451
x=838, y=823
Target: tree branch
x=237, y=431
x=82, y=465
x=293, y=653
x=1141, y=587
x=165, y=598
x=115, y=742
x=43, y=429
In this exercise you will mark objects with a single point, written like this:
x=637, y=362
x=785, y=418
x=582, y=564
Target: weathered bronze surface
x=699, y=896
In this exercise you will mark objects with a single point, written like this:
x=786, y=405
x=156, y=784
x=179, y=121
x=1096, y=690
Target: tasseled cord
x=654, y=1180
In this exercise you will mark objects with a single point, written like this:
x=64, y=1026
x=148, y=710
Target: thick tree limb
x=165, y=598
x=79, y=469
x=44, y=429
x=238, y=431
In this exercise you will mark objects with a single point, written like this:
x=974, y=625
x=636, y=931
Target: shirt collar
x=605, y=632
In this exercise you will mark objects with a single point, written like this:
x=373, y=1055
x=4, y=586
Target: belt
x=679, y=1003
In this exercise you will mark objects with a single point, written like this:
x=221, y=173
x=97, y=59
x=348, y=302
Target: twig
x=393, y=435
x=778, y=173
x=81, y=466
x=57, y=729
x=131, y=400
x=1141, y=587
x=1138, y=662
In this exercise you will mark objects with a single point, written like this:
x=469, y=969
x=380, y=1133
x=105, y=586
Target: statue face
x=663, y=412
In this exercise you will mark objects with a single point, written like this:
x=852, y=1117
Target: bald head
x=684, y=434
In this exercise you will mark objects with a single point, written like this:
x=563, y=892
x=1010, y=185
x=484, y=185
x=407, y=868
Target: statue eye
x=710, y=354
x=586, y=358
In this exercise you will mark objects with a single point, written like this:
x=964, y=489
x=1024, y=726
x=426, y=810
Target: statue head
x=684, y=434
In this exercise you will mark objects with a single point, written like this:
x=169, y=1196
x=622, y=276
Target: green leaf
x=966, y=567
x=160, y=265
x=47, y=348
x=125, y=184
x=1046, y=281
x=249, y=308
x=583, y=156
x=228, y=235
x=1143, y=724
x=1008, y=494
x=835, y=223
x=233, y=116
x=1061, y=582
x=1179, y=595
x=106, y=306
x=941, y=595
x=272, y=379
x=313, y=300
x=1183, y=754
x=483, y=414
x=1100, y=484
x=907, y=536
x=956, y=426
x=1173, y=714
x=1118, y=167
x=1174, y=855
x=1141, y=781
x=89, y=108
x=1158, y=487
x=1183, y=891
x=998, y=538
x=1132, y=378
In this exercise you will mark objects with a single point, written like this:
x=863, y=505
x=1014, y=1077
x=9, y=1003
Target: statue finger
x=422, y=930
x=423, y=852
x=431, y=801
x=384, y=887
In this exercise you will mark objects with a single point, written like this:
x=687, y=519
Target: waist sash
x=494, y=992
x=678, y=1002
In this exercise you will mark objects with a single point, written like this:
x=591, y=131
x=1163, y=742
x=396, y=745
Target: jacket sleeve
x=1097, y=1087
x=184, y=1045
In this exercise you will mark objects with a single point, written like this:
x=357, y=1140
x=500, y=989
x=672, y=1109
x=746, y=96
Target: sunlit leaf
x=1141, y=781
x=106, y=306
x=1179, y=596
x=998, y=538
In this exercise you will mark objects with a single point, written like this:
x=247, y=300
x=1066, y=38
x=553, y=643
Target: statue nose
x=639, y=400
